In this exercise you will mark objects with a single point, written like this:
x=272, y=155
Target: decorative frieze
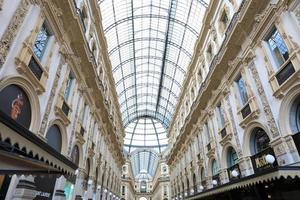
x=12, y=30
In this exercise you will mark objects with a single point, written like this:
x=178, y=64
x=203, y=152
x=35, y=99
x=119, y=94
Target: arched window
x=295, y=116
x=84, y=17
x=143, y=186
x=187, y=183
x=202, y=174
x=232, y=157
x=209, y=53
x=54, y=137
x=75, y=155
x=96, y=179
x=206, y=130
x=15, y=103
x=87, y=167
x=193, y=94
x=214, y=167
x=194, y=182
x=94, y=49
x=260, y=140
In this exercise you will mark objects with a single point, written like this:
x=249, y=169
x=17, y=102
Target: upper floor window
x=209, y=53
x=193, y=94
x=224, y=20
x=41, y=41
x=277, y=47
x=206, y=130
x=69, y=86
x=220, y=114
x=83, y=113
x=214, y=167
x=232, y=157
x=242, y=89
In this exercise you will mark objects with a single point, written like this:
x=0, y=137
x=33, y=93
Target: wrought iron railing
x=65, y=108
x=223, y=132
x=35, y=68
x=246, y=110
x=221, y=50
x=285, y=73
x=82, y=130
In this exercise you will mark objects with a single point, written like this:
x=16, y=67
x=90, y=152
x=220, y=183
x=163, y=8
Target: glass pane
x=150, y=46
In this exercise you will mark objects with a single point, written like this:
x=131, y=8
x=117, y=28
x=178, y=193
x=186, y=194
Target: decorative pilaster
x=25, y=189
x=263, y=97
x=12, y=29
x=51, y=98
x=59, y=189
x=231, y=119
x=74, y=124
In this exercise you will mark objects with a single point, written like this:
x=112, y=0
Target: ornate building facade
x=149, y=100
x=64, y=122
x=235, y=133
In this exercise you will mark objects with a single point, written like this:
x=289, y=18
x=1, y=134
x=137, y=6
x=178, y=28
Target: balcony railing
x=285, y=73
x=223, y=133
x=82, y=130
x=208, y=146
x=65, y=108
x=35, y=68
x=246, y=110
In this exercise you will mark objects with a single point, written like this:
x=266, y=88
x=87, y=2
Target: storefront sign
x=259, y=161
x=44, y=187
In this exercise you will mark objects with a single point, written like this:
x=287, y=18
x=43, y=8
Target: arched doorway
x=194, y=183
x=143, y=198
x=232, y=157
x=294, y=118
x=259, y=140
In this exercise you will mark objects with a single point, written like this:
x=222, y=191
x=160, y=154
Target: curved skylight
x=145, y=133
x=150, y=44
x=144, y=164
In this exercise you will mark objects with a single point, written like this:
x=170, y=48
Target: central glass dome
x=145, y=133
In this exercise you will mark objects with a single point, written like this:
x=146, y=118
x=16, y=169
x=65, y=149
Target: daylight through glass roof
x=144, y=164
x=150, y=44
x=145, y=132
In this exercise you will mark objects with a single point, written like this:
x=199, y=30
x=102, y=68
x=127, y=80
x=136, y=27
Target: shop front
x=28, y=164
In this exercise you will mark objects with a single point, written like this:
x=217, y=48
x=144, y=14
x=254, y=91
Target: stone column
x=25, y=189
x=79, y=184
x=245, y=166
x=90, y=189
x=59, y=189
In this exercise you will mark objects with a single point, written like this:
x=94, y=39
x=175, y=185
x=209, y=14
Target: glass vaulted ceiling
x=150, y=44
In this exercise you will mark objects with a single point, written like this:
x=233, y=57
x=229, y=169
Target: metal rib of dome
x=150, y=44
x=144, y=164
x=145, y=133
